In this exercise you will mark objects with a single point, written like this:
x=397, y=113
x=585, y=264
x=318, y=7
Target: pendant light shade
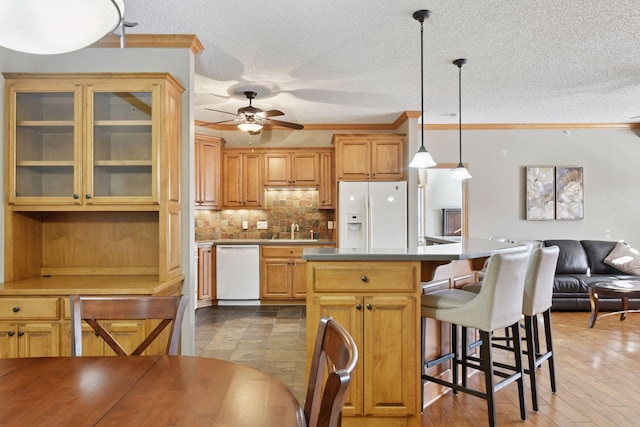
x=57, y=26
x=422, y=159
x=460, y=172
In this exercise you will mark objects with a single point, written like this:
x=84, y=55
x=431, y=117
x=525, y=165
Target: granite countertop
x=267, y=242
x=468, y=248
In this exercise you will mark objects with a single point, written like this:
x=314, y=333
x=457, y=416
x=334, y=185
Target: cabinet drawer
x=365, y=276
x=29, y=308
x=282, y=251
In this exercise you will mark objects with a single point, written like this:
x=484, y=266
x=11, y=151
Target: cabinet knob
x=365, y=279
x=87, y=196
x=11, y=333
x=358, y=306
x=16, y=309
x=21, y=333
x=75, y=196
x=369, y=307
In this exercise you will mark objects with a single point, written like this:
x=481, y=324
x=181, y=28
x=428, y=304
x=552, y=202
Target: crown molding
x=184, y=41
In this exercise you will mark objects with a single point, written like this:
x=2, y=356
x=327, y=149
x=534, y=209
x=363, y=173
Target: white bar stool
x=496, y=306
x=538, y=294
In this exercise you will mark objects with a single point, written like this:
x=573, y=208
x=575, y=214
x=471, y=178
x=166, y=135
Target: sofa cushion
x=624, y=258
x=564, y=284
x=597, y=251
x=572, y=258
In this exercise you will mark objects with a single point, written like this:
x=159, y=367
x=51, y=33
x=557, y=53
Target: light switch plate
x=245, y=225
x=330, y=225
x=261, y=225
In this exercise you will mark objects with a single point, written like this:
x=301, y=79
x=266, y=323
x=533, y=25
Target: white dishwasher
x=238, y=274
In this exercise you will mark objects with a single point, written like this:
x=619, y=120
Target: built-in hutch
x=93, y=199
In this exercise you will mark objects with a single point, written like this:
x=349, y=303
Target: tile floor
x=269, y=338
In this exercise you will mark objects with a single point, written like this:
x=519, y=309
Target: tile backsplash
x=282, y=208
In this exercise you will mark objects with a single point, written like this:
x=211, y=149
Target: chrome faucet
x=294, y=228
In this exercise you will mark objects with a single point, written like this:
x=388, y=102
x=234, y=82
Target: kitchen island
x=375, y=295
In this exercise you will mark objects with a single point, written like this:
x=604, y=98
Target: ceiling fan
x=251, y=119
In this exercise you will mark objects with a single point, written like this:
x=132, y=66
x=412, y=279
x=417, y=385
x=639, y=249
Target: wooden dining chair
x=94, y=309
x=335, y=354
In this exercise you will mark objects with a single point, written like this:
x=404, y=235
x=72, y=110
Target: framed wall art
x=540, y=193
x=569, y=193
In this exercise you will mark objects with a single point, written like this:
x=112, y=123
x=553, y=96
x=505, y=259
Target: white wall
x=180, y=63
x=496, y=158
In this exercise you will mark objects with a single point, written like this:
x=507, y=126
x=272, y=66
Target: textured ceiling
x=340, y=62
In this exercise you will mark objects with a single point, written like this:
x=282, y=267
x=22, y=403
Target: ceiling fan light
x=250, y=127
x=460, y=172
x=56, y=26
x=422, y=159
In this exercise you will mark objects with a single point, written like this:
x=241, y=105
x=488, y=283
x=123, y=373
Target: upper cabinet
x=369, y=157
x=242, y=171
x=93, y=175
x=90, y=139
x=300, y=168
x=208, y=162
x=327, y=189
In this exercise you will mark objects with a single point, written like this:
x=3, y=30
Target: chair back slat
x=93, y=309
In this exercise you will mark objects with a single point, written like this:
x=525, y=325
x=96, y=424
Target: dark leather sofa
x=582, y=262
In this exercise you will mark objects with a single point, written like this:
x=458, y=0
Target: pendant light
x=422, y=159
x=460, y=172
x=58, y=26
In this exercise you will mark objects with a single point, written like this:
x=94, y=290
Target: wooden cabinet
x=378, y=303
x=242, y=171
x=208, y=164
x=86, y=139
x=283, y=273
x=39, y=325
x=93, y=175
x=29, y=327
x=300, y=168
x=206, y=275
x=327, y=189
x=369, y=157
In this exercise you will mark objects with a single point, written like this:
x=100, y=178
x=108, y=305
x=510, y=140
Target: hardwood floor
x=597, y=370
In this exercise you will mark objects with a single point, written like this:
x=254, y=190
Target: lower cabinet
x=377, y=303
x=282, y=273
x=40, y=326
x=29, y=339
x=29, y=327
x=206, y=275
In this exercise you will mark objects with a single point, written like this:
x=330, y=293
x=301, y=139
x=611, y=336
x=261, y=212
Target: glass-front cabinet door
x=83, y=143
x=121, y=156
x=44, y=138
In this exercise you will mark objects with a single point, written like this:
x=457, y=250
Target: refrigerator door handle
x=369, y=222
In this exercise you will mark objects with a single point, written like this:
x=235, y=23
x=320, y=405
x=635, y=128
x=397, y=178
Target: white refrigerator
x=372, y=214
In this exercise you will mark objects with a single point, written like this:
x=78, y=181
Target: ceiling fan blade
x=220, y=111
x=285, y=124
x=217, y=123
x=271, y=113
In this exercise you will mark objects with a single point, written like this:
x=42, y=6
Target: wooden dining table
x=142, y=391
